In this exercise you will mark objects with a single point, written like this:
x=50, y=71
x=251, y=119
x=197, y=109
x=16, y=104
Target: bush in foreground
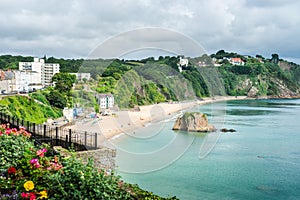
x=31, y=172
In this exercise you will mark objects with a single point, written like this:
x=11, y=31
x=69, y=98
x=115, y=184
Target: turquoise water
x=259, y=161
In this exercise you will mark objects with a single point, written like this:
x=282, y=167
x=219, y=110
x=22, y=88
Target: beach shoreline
x=127, y=120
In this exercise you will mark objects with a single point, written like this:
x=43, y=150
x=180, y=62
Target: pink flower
x=34, y=160
x=37, y=165
x=8, y=131
x=41, y=152
x=14, y=130
x=25, y=195
x=54, y=166
x=24, y=133
x=32, y=196
x=3, y=126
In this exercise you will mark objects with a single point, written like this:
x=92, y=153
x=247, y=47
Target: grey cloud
x=268, y=3
x=148, y=38
x=74, y=28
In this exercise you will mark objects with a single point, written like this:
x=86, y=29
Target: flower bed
x=31, y=172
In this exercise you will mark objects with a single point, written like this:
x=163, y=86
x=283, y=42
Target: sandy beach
x=128, y=121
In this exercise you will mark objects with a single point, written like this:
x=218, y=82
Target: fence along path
x=55, y=136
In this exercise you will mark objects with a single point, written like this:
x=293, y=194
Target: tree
x=221, y=52
x=275, y=58
x=64, y=82
x=259, y=56
x=56, y=99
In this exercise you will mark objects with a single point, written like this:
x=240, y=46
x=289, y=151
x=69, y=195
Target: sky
x=75, y=28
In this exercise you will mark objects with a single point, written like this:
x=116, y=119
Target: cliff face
x=193, y=121
x=280, y=89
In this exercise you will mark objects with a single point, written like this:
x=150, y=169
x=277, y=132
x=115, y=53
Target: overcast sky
x=74, y=28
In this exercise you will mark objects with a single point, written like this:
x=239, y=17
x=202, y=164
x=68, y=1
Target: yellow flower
x=29, y=185
x=43, y=194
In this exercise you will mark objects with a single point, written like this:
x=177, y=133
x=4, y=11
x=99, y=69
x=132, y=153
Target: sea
x=261, y=160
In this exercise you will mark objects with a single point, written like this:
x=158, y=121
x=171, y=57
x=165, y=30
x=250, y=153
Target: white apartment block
x=105, y=101
x=45, y=71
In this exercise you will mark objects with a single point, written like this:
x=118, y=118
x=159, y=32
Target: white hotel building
x=43, y=71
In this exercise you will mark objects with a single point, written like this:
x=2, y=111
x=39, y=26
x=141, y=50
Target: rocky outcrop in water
x=225, y=130
x=193, y=121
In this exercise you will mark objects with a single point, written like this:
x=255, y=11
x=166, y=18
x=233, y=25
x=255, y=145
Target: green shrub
x=28, y=171
x=40, y=97
x=80, y=181
x=27, y=109
x=12, y=149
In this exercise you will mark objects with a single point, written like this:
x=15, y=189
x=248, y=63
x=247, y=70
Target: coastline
x=128, y=121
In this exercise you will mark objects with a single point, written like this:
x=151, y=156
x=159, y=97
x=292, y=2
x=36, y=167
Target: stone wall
x=104, y=158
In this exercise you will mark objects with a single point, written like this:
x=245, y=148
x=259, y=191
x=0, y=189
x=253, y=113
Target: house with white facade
x=105, y=101
x=183, y=62
x=25, y=81
x=236, y=61
x=7, y=82
x=82, y=76
x=45, y=71
x=19, y=81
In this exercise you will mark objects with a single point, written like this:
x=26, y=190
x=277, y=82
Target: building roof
x=236, y=59
x=102, y=95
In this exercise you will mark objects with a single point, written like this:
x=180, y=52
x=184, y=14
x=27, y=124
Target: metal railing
x=55, y=136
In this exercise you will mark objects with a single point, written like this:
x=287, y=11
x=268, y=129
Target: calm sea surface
x=259, y=161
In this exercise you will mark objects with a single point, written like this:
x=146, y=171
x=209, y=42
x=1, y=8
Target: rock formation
x=193, y=121
x=225, y=130
x=253, y=92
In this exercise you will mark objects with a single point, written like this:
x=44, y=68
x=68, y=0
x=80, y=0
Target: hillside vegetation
x=150, y=81
x=36, y=109
x=259, y=77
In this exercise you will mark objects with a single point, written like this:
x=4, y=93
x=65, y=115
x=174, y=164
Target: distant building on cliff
x=183, y=62
x=82, y=76
x=105, y=101
x=44, y=71
x=236, y=61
